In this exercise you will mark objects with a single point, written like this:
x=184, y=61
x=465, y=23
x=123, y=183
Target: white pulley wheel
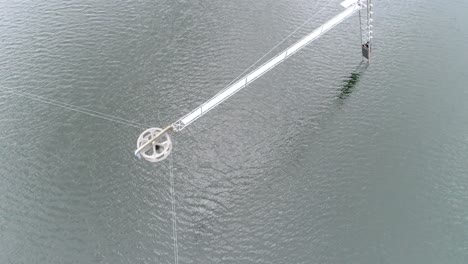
x=158, y=150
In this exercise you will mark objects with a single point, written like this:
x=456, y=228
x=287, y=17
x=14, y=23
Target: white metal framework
x=158, y=151
x=147, y=143
x=366, y=27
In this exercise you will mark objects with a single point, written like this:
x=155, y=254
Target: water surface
x=316, y=162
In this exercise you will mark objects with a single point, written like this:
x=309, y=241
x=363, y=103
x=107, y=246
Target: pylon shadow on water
x=350, y=83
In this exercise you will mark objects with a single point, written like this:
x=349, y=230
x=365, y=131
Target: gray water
x=298, y=168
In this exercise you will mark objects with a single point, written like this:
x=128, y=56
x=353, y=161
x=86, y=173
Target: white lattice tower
x=365, y=22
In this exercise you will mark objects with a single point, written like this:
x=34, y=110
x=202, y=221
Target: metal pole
x=352, y=6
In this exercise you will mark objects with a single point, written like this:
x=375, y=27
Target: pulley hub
x=158, y=150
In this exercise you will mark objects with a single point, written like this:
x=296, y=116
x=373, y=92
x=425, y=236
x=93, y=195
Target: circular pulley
x=158, y=150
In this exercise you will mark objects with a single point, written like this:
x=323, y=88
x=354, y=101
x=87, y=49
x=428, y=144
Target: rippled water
x=301, y=167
